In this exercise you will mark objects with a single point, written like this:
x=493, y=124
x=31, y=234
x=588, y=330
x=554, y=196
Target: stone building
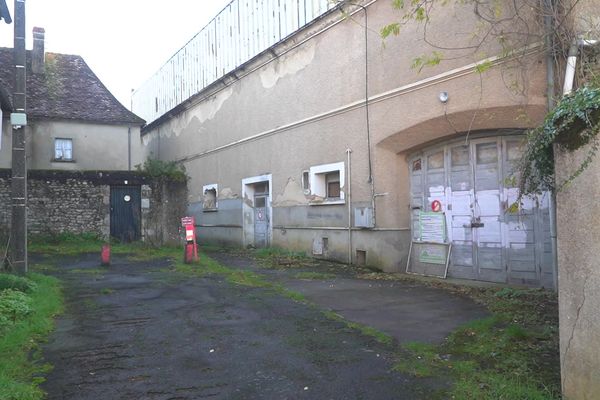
x=82, y=148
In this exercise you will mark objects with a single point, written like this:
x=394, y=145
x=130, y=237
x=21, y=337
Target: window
x=63, y=149
x=326, y=183
x=209, y=197
x=332, y=182
x=306, y=182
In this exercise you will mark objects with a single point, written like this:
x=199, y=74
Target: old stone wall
x=79, y=202
x=165, y=204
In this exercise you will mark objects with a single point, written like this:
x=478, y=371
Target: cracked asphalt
x=138, y=331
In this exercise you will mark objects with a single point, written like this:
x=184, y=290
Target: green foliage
x=158, y=169
x=14, y=306
x=20, y=366
x=483, y=67
x=366, y=330
x=426, y=60
x=22, y=284
x=573, y=124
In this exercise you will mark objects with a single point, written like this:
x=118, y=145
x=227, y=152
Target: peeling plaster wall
x=306, y=108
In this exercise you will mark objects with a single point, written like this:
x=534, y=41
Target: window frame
x=319, y=184
x=63, y=140
x=205, y=189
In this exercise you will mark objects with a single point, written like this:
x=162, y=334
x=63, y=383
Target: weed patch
x=511, y=355
x=9, y=281
x=366, y=330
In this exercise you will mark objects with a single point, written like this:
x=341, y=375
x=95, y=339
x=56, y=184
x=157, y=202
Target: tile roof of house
x=68, y=89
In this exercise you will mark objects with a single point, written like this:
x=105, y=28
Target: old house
x=82, y=145
x=301, y=128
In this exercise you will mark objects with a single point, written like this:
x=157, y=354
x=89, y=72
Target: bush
x=8, y=281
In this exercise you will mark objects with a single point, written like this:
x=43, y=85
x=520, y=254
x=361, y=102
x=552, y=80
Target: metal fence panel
x=238, y=33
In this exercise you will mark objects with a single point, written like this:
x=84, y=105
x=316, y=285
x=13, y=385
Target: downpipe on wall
x=349, y=202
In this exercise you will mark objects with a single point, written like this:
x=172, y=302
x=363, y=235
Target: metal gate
x=474, y=181
x=125, y=213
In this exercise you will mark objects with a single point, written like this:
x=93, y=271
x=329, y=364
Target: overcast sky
x=123, y=41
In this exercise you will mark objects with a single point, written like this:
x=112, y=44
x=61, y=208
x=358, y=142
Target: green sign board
x=432, y=254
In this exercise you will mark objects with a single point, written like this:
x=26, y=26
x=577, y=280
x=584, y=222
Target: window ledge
x=60, y=160
x=327, y=202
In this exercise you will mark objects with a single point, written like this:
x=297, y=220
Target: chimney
x=38, y=55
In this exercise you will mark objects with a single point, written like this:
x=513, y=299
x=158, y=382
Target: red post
x=105, y=255
x=191, y=247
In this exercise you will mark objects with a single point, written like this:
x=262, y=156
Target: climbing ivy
x=573, y=124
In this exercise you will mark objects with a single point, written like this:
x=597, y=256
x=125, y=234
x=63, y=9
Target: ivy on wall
x=573, y=124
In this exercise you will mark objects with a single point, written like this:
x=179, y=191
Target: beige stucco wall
x=306, y=108
x=578, y=221
x=95, y=146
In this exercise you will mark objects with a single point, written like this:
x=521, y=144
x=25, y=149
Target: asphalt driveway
x=139, y=331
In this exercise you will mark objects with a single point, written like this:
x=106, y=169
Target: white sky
x=123, y=41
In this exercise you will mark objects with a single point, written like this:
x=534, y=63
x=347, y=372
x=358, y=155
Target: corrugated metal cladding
x=237, y=34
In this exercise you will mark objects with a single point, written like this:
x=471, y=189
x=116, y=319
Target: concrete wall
x=305, y=107
x=95, y=146
x=578, y=222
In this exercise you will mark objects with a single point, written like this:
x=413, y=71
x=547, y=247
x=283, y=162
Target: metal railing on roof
x=242, y=30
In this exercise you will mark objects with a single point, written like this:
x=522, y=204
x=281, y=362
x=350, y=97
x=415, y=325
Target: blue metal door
x=125, y=213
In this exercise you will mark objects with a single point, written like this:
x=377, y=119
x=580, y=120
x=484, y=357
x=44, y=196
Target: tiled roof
x=67, y=90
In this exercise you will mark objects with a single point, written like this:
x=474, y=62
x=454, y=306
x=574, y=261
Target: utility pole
x=18, y=119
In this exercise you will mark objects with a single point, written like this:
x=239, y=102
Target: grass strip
x=21, y=366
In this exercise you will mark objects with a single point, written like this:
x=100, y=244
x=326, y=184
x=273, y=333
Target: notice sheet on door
x=432, y=227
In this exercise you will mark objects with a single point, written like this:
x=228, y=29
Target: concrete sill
x=62, y=161
x=327, y=202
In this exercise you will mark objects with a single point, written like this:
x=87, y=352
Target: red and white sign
x=436, y=206
x=188, y=221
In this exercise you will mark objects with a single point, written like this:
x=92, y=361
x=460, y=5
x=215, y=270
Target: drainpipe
x=572, y=62
x=349, y=202
x=129, y=148
x=371, y=180
x=549, y=41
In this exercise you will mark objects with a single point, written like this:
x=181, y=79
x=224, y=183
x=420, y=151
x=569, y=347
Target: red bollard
x=105, y=255
x=190, y=253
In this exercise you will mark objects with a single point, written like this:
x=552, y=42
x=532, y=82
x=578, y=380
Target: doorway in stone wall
x=125, y=213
